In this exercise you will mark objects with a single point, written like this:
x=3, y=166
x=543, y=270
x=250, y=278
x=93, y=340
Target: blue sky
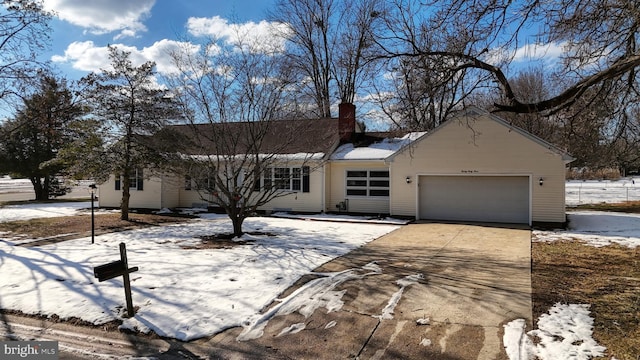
x=82, y=29
x=150, y=29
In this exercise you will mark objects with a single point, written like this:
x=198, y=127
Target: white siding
x=148, y=198
x=171, y=191
x=109, y=196
x=482, y=146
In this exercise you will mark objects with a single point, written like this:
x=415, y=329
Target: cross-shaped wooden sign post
x=115, y=269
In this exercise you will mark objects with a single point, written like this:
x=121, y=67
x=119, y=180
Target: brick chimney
x=346, y=121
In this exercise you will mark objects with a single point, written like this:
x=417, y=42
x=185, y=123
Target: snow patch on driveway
x=308, y=298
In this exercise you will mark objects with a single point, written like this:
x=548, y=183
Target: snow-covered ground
x=565, y=332
x=343, y=218
x=36, y=210
x=593, y=191
x=8, y=184
x=597, y=228
x=182, y=292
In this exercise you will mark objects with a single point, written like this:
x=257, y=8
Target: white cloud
x=548, y=52
x=257, y=37
x=85, y=56
x=101, y=17
x=215, y=26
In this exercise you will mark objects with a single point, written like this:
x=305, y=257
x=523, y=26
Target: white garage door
x=503, y=199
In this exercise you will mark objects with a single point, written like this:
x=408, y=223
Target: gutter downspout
x=323, y=198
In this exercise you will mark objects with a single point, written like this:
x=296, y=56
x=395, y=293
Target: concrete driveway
x=459, y=284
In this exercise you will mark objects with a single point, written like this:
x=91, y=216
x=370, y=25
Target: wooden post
x=118, y=268
x=127, y=282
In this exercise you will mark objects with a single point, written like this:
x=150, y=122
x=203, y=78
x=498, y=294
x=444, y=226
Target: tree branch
x=618, y=68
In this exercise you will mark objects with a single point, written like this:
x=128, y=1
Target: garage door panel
x=475, y=198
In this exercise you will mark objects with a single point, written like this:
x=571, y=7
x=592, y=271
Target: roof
x=307, y=136
x=380, y=150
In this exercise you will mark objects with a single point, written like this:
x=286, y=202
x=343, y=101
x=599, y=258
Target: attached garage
x=500, y=199
x=478, y=167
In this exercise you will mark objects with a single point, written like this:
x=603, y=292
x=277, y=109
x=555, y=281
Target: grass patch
x=608, y=278
x=627, y=207
x=81, y=224
x=50, y=201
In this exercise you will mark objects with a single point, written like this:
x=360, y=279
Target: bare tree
x=133, y=107
x=420, y=92
x=419, y=95
x=239, y=156
x=533, y=85
x=24, y=33
x=587, y=129
x=599, y=38
x=328, y=44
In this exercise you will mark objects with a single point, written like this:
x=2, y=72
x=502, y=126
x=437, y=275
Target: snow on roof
x=281, y=157
x=376, y=151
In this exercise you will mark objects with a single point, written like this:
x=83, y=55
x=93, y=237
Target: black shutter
x=140, y=180
x=118, y=186
x=305, y=179
x=256, y=184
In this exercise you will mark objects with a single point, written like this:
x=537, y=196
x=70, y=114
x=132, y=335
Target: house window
x=136, y=181
x=204, y=183
x=187, y=182
x=282, y=178
x=286, y=178
x=371, y=183
x=296, y=176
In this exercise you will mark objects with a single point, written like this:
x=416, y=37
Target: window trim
x=136, y=182
x=297, y=178
x=367, y=187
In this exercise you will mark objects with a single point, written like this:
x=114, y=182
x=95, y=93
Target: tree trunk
x=124, y=204
x=38, y=188
x=237, y=225
x=46, y=187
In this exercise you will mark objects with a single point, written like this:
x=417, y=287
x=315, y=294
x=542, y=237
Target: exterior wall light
x=408, y=179
x=540, y=181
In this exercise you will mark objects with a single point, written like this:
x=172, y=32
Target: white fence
x=594, y=192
